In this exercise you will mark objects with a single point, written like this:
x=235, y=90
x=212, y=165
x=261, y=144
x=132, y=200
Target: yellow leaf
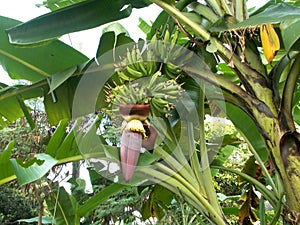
x=274, y=37
x=270, y=41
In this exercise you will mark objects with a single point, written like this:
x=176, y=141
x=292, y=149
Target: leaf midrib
x=26, y=64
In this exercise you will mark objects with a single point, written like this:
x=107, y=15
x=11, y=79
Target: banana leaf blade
x=81, y=16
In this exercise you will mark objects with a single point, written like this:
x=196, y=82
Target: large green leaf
x=63, y=208
x=144, y=26
x=273, y=14
x=290, y=33
x=62, y=144
x=10, y=110
x=255, y=10
x=81, y=16
x=12, y=104
x=159, y=199
x=25, y=91
x=57, y=138
x=59, y=78
x=61, y=148
x=222, y=156
x=35, y=63
x=33, y=169
x=117, y=28
x=58, y=104
x=94, y=201
x=67, y=211
x=106, y=44
x=6, y=168
x=113, y=37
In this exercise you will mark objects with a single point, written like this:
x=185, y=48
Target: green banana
x=122, y=91
x=159, y=92
x=174, y=40
x=171, y=71
x=167, y=36
x=157, y=108
x=140, y=62
x=161, y=101
x=167, y=97
x=124, y=75
x=137, y=59
x=135, y=74
x=158, y=87
x=175, y=36
x=152, y=82
x=129, y=60
x=168, y=74
x=152, y=64
x=185, y=56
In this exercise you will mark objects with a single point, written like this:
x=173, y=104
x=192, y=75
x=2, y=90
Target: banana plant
x=259, y=93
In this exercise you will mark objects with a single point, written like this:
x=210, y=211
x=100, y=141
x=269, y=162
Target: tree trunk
x=287, y=161
x=283, y=144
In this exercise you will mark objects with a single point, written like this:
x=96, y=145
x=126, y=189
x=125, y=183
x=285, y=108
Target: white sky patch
x=4, y=78
x=21, y=10
x=124, y=7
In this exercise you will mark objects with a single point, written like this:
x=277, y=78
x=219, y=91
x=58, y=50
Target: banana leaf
x=80, y=16
x=35, y=63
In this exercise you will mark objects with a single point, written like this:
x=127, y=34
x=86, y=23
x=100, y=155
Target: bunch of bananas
x=172, y=56
x=134, y=66
x=130, y=93
x=151, y=77
x=163, y=94
x=160, y=55
x=156, y=90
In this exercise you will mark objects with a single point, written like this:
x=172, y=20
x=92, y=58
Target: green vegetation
x=229, y=62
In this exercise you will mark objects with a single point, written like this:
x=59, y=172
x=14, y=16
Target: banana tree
x=259, y=94
x=270, y=108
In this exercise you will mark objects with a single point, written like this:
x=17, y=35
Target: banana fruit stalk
x=270, y=41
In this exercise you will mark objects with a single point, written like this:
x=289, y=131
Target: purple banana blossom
x=137, y=133
x=148, y=143
x=131, y=144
